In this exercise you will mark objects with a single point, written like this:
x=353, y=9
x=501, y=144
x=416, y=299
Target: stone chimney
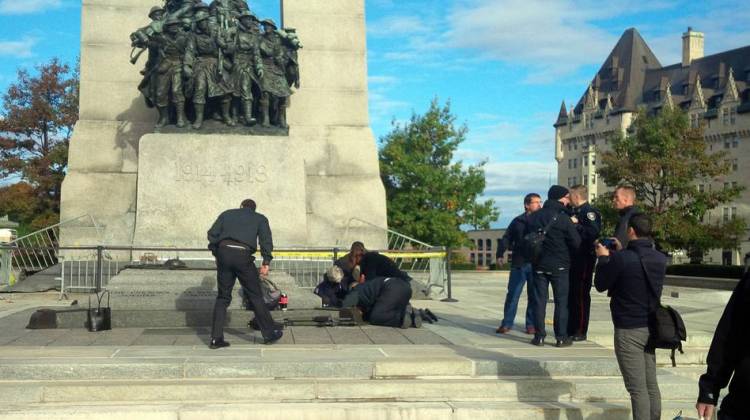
x=692, y=46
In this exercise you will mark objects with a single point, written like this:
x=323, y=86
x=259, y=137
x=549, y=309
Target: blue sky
x=505, y=65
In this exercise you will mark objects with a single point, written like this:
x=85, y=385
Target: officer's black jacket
x=562, y=238
x=589, y=226
x=374, y=265
x=730, y=354
x=513, y=239
x=621, y=230
x=366, y=294
x=624, y=277
x=245, y=226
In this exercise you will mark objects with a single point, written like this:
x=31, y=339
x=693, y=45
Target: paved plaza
x=456, y=368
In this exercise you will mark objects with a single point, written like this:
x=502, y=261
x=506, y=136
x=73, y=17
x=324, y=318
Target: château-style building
x=714, y=90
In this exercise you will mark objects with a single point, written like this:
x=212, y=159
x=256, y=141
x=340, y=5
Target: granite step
x=341, y=411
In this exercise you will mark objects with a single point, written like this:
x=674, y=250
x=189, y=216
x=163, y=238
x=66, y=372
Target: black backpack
x=665, y=326
x=533, y=241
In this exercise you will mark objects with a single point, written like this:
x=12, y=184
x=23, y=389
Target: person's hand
x=705, y=411
x=618, y=245
x=264, y=269
x=361, y=278
x=601, y=250
x=574, y=219
x=499, y=261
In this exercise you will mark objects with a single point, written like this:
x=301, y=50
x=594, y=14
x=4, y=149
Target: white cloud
x=509, y=182
x=20, y=49
x=20, y=7
x=397, y=26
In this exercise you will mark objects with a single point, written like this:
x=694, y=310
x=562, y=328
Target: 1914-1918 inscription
x=227, y=173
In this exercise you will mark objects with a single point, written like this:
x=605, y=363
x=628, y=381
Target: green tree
x=666, y=160
x=36, y=122
x=429, y=195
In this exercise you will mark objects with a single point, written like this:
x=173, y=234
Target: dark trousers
x=390, y=305
x=231, y=264
x=579, y=298
x=559, y=281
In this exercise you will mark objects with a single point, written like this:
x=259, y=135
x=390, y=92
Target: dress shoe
x=580, y=337
x=530, y=330
x=502, y=330
x=273, y=337
x=431, y=315
x=217, y=343
x=424, y=316
x=538, y=341
x=565, y=342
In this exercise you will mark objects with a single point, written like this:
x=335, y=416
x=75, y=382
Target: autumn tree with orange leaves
x=36, y=122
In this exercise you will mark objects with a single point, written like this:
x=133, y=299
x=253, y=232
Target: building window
x=701, y=188
x=729, y=115
x=585, y=161
x=489, y=244
x=570, y=163
x=726, y=185
x=480, y=244
x=734, y=212
x=726, y=214
x=480, y=262
x=570, y=146
x=695, y=120
x=575, y=181
x=472, y=258
x=585, y=180
x=734, y=184
x=593, y=179
x=735, y=142
x=575, y=163
x=735, y=165
x=489, y=259
x=727, y=143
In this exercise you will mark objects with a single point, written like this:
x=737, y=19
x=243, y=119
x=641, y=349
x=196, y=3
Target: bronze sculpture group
x=216, y=58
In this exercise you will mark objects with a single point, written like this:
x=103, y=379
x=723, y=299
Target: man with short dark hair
x=623, y=200
x=560, y=240
x=588, y=222
x=520, y=270
x=233, y=240
x=634, y=278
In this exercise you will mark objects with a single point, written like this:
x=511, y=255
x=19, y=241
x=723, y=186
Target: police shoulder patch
x=591, y=215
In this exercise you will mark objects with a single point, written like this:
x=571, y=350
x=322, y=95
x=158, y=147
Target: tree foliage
x=430, y=195
x=36, y=122
x=666, y=160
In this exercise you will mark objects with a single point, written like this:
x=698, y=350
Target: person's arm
x=505, y=242
x=607, y=268
x=572, y=237
x=214, y=233
x=265, y=240
x=724, y=354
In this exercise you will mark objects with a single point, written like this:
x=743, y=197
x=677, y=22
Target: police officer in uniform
x=233, y=239
x=588, y=222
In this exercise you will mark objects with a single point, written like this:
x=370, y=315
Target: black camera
x=608, y=243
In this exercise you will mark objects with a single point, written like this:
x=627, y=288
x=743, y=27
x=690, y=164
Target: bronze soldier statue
x=247, y=69
x=274, y=87
x=141, y=39
x=171, y=46
x=203, y=57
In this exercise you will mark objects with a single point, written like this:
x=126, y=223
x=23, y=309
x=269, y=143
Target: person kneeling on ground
x=384, y=301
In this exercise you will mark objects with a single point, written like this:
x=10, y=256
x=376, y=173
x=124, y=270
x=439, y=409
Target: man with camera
x=633, y=278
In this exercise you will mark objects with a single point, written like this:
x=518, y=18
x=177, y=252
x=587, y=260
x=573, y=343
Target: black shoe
x=538, y=341
x=424, y=316
x=273, y=337
x=566, y=342
x=431, y=315
x=578, y=337
x=217, y=343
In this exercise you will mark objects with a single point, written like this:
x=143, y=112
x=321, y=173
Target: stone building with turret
x=714, y=90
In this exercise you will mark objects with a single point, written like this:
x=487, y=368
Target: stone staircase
x=306, y=382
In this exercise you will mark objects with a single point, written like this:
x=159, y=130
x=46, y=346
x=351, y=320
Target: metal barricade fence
x=92, y=268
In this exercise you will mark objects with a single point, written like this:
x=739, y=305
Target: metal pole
x=448, y=253
x=335, y=254
x=98, y=280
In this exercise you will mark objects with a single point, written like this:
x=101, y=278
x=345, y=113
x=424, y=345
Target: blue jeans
x=518, y=277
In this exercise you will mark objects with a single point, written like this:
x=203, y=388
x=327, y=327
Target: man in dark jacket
x=520, y=269
x=373, y=264
x=729, y=357
x=384, y=301
x=233, y=239
x=624, y=201
x=588, y=222
x=560, y=241
x=634, y=278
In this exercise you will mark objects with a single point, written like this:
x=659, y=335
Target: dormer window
x=729, y=115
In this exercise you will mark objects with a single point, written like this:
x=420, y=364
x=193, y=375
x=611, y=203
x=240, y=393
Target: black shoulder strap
x=549, y=225
x=649, y=284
